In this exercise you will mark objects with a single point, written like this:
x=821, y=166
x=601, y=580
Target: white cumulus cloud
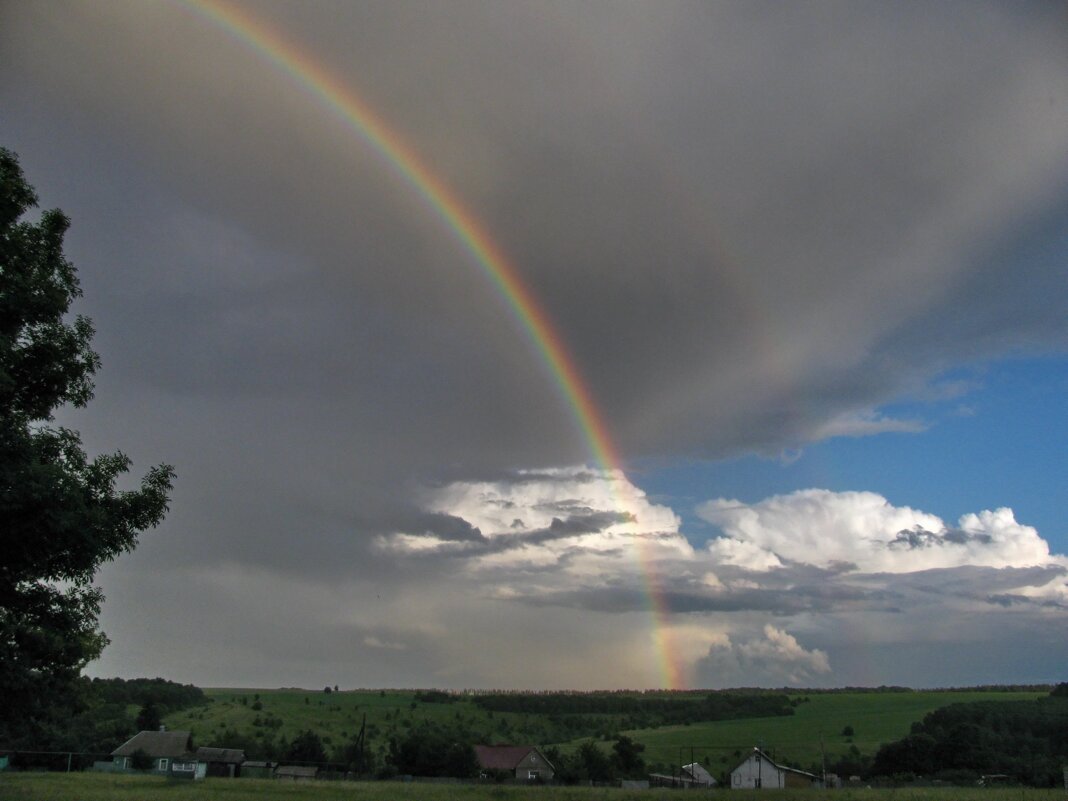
x=821, y=527
x=773, y=659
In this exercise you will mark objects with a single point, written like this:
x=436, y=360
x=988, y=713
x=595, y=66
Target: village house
x=758, y=770
x=523, y=762
x=171, y=753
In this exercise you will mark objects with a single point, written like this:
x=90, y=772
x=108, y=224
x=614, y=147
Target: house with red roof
x=524, y=762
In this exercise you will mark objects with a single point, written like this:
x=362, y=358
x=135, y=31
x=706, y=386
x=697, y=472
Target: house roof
x=505, y=757
x=698, y=773
x=157, y=744
x=234, y=756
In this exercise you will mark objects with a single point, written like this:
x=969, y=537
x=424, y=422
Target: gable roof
x=697, y=772
x=157, y=744
x=233, y=756
x=505, y=757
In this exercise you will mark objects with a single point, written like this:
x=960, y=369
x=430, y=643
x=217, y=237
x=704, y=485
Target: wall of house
x=797, y=780
x=757, y=769
x=533, y=762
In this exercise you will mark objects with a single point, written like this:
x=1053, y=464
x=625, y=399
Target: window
x=163, y=764
x=533, y=774
x=184, y=766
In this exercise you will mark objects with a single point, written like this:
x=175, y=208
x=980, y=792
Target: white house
x=758, y=770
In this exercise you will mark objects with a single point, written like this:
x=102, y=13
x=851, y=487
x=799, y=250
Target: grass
x=106, y=787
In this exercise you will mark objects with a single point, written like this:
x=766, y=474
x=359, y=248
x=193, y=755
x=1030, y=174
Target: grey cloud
x=473, y=544
x=912, y=539
x=452, y=528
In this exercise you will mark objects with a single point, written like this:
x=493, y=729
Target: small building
x=257, y=770
x=296, y=773
x=758, y=770
x=171, y=753
x=697, y=773
x=523, y=762
x=225, y=762
x=692, y=776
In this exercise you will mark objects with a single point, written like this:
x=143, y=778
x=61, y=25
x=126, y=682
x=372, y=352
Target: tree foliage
x=148, y=718
x=432, y=751
x=307, y=746
x=1027, y=740
x=61, y=515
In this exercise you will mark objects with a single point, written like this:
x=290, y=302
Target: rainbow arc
x=536, y=324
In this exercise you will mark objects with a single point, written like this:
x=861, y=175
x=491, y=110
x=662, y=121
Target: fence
x=52, y=761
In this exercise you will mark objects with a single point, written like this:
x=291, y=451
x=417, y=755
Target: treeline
x=165, y=694
x=1025, y=740
x=640, y=711
x=893, y=688
x=107, y=713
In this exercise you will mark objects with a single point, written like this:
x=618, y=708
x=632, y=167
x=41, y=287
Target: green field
x=876, y=718
x=103, y=787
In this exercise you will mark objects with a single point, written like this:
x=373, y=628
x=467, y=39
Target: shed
x=689, y=776
x=257, y=770
x=224, y=762
x=296, y=773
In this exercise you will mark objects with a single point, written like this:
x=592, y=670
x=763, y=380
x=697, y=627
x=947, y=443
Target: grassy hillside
x=337, y=716
x=876, y=718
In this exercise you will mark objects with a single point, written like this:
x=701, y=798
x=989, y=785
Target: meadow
x=105, y=787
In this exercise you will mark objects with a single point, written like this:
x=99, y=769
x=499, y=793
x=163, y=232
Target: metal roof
x=505, y=757
x=156, y=744
x=233, y=756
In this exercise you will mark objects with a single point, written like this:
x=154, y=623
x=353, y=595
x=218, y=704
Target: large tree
x=61, y=515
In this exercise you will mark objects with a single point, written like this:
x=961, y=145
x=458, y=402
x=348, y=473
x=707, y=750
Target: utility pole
x=823, y=756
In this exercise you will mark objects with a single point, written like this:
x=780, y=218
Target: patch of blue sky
x=1002, y=442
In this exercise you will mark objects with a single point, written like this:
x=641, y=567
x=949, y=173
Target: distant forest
x=642, y=712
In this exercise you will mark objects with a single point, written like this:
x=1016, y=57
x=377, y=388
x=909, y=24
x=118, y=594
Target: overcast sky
x=810, y=259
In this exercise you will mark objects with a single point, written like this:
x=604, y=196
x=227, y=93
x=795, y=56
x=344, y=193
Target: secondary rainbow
x=443, y=203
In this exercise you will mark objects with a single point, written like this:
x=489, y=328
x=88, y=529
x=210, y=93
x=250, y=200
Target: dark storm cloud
x=728, y=243
x=794, y=601
x=471, y=544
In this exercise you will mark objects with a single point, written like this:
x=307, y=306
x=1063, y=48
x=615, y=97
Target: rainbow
x=495, y=266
